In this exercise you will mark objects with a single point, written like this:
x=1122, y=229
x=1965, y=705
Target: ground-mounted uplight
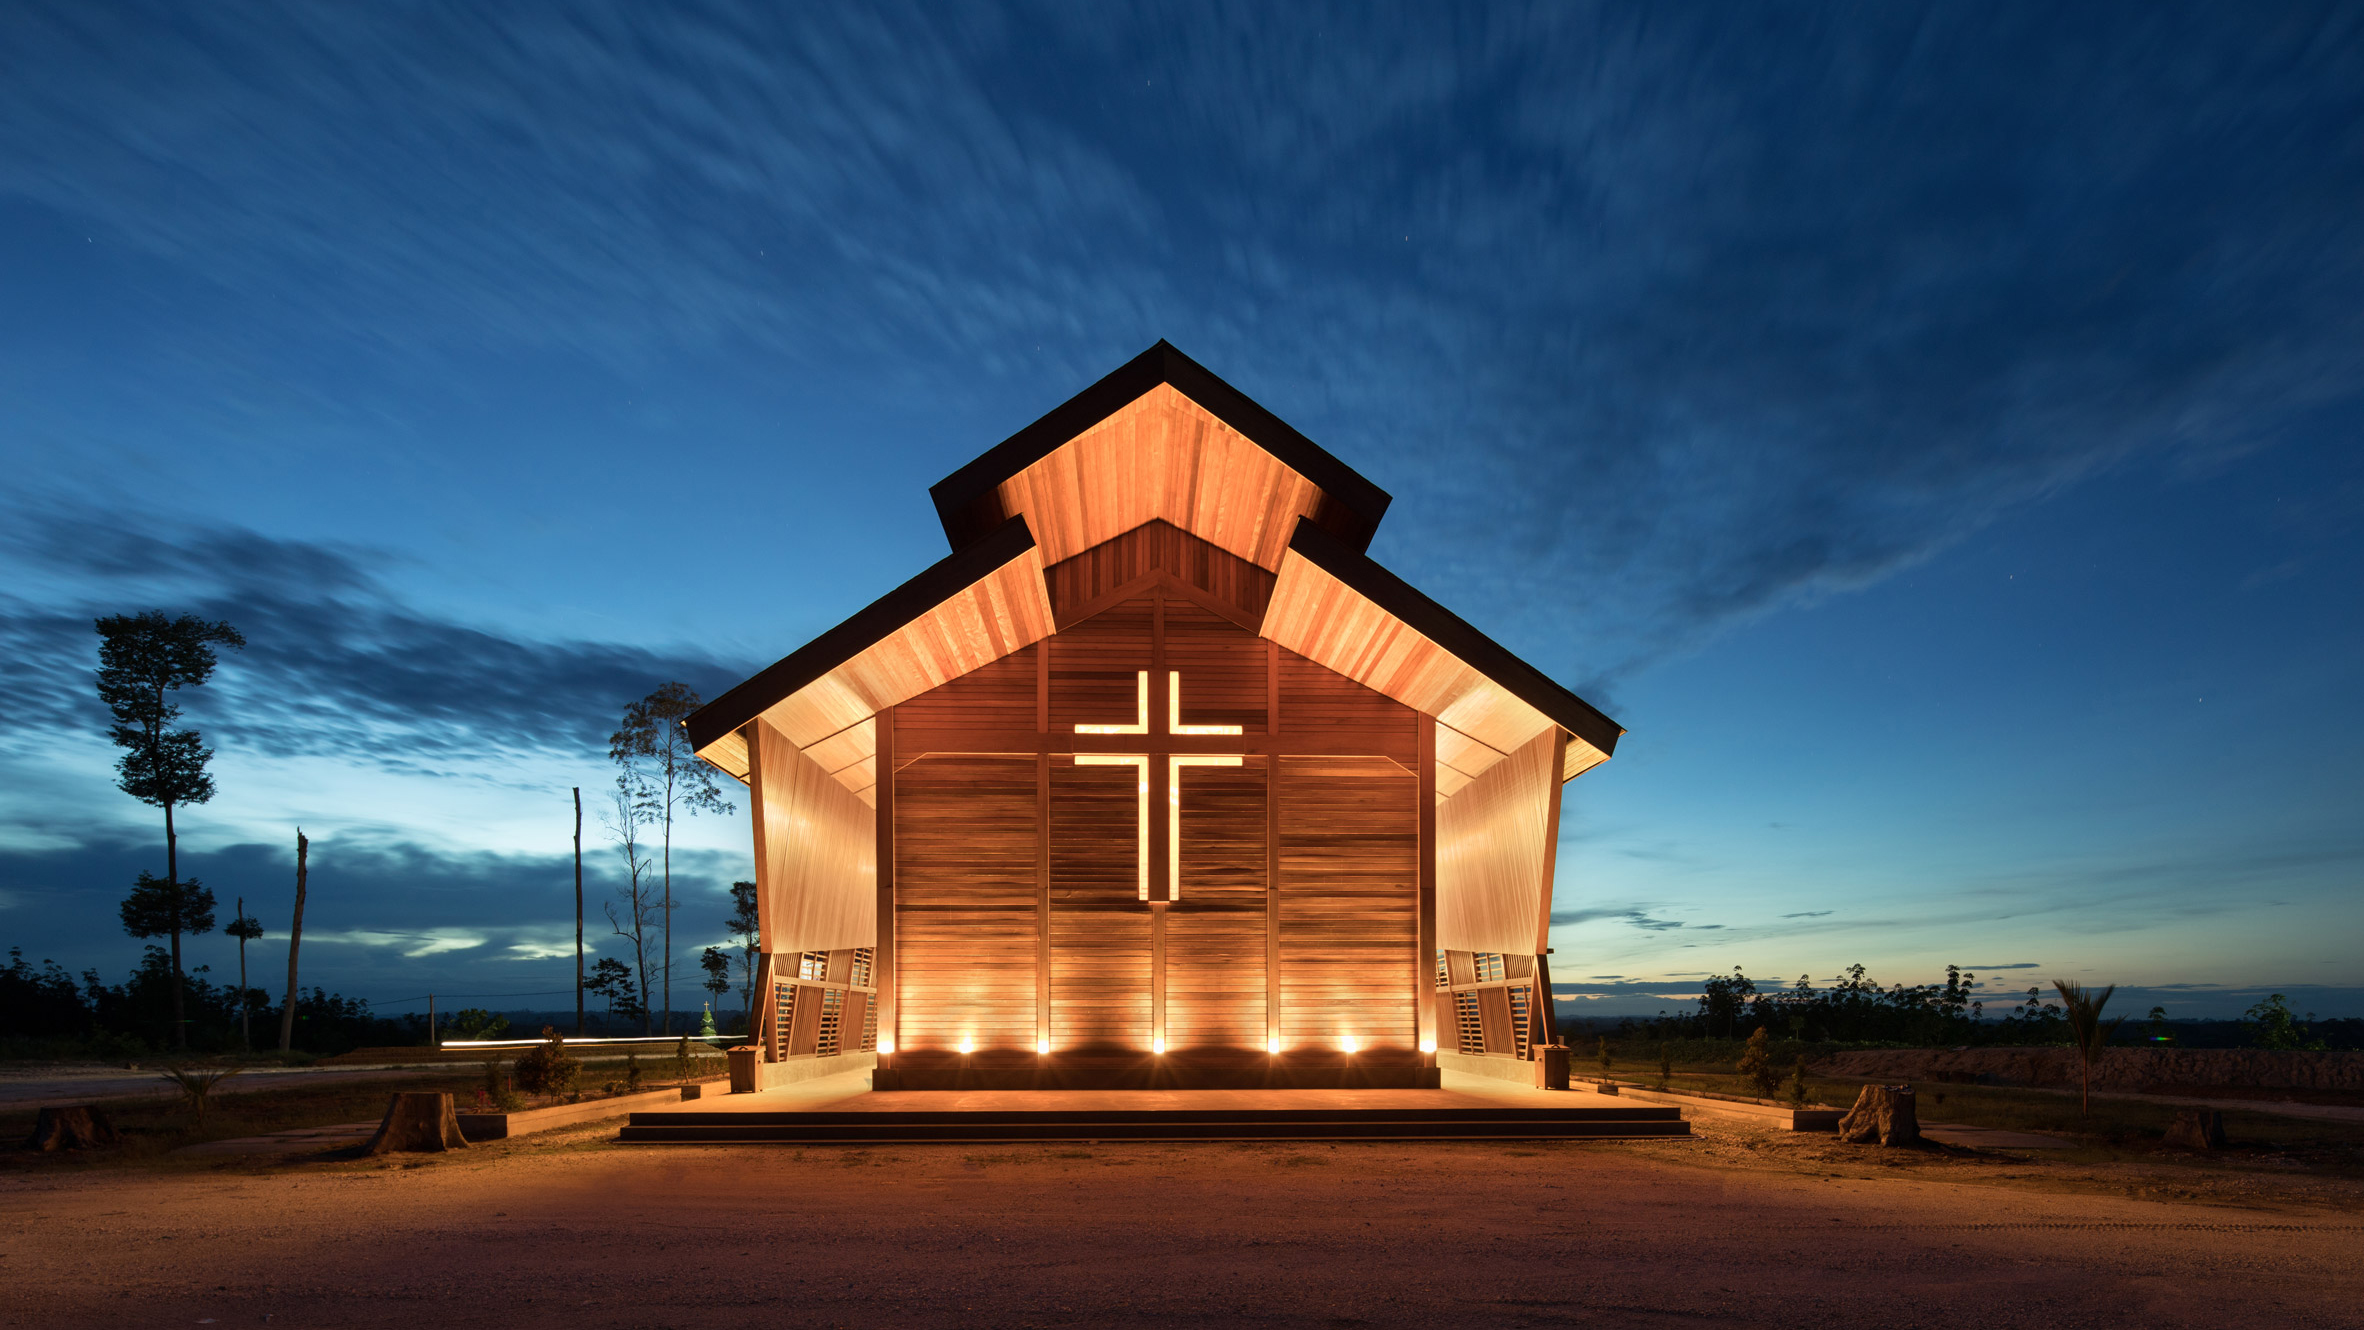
x=1428, y=1045
x=1158, y=1046
x=1347, y=1042
x=887, y=1046
x=1042, y=1046
x=1272, y=1045
x=967, y=1046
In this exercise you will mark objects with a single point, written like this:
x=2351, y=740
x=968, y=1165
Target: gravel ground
x=1740, y=1226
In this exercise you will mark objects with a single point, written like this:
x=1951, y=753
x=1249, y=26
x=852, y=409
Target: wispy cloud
x=335, y=662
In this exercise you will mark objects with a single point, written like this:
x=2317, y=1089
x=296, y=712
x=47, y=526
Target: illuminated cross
x=1174, y=762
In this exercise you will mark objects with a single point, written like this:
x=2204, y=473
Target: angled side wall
x=1494, y=853
x=816, y=852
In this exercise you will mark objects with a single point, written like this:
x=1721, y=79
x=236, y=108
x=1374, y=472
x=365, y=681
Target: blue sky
x=1933, y=433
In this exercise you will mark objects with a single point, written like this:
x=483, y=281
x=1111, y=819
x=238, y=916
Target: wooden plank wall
x=1494, y=853
x=816, y=860
x=1017, y=913
x=1349, y=898
x=965, y=902
x=1215, y=930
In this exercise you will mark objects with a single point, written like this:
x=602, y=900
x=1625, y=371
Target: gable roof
x=1012, y=476
x=1143, y=446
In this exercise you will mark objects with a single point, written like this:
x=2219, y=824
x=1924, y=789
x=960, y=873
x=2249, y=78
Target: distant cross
x=1145, y=763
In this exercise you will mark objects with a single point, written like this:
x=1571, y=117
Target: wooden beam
x=912, y=743
x=1424, y=959
x=883, y=959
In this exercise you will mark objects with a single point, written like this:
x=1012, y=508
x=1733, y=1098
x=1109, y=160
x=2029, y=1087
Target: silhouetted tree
x=2273, y=1025
x=718, y=976
x=246, y=929
x=611, y=980
x=668, y=778
x=143, y=657
x=746, y=926
x=159, y=907
x=2081, y=1007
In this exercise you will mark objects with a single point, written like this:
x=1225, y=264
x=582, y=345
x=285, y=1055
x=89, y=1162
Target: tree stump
x=417, y=1122
x=80, y=1127
x=1882, y=1113
x=2197, y=1129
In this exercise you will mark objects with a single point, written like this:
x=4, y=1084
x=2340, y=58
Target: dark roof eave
x=966, y=500
x=872, y=624
x=1450, y=631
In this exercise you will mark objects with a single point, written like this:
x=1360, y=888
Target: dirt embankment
x=2147, y=1070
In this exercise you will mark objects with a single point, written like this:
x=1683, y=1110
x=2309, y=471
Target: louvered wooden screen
x=1349, y=897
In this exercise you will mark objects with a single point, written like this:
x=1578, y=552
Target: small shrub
x=1756, y=1063
x=1797, y=1084
x=631, y=1071
x=196, y=1088
x=1665, y=1065
x=548, y=1069
x=1604, y=1055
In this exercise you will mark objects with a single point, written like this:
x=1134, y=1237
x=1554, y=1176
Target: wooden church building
x=1156, y=780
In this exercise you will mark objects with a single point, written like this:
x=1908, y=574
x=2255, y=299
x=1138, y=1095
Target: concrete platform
x=843, y=1109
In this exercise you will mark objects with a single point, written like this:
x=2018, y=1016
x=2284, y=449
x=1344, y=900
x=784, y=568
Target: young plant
x=1604, y=1056
x=1756, y=1063
x=1797, y=1083
x=1665, y=1065
x=2081, y=1007
x=196, y=1088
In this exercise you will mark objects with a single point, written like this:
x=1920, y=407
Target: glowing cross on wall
x=1174, y=764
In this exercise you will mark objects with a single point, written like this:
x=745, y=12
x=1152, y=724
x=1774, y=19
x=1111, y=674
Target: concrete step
x=1151, y=1125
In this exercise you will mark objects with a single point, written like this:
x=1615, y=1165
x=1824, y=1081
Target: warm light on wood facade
x=1155, y=780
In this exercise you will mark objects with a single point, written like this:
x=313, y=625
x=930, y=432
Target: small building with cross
x=1156, y=780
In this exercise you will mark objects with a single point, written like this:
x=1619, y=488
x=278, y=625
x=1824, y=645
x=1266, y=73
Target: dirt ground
x=1741, y=1226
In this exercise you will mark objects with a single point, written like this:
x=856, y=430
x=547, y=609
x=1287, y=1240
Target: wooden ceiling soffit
x=1334, y=605
x=1161, y=437
x=969, y=609
x=1158, y=553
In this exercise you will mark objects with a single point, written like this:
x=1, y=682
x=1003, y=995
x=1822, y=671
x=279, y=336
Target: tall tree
x=142, y=658
x=671, y=780
x=746, y=925
x=246, y=929
x=624, y=826
x=160, y=908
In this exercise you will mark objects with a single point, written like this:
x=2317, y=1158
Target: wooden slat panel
x=1161, y=457
x=1094, y=665
x=1324, y=620
x=1157, y=547
x=1215, y=977
x=995, y=696
x=965, y=851
x=993, y=618
x=1223, y=668
x=1494, y=840
x=730, y=754
x=1100, y=947
x=1320, y=701
x=815, y=852
x=1462, y=753
x=1349, y=900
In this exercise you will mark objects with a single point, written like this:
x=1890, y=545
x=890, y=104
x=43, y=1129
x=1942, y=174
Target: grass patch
x=154, y=1127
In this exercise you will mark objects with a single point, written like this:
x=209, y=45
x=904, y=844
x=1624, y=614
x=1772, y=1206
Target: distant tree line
x=44, y=1011
x=1857, y=1009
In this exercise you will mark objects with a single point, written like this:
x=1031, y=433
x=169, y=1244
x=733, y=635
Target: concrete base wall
x=773, y=1075
x=1497, y=1068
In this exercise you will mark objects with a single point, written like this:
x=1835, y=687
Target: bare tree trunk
x=295, y=939
x=668, y=929
x=172, y=876
x=578, y=911
x=245, y=1031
